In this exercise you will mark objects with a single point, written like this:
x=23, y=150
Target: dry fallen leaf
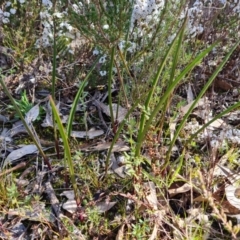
x=119, y=112
x=87, y=134
x=184, y=188
x=32, y=114
x=119, y=146
x=190, y=96
x=152, y=195
x=104, y=206
x=19, y=153
x=201, y=102
x=231, y=205
x=120, y=234
x=70, y=206
x=232, y=194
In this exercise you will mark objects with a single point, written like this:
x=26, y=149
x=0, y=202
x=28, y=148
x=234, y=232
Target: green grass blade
x=110, y=85
x=172, y=75
x=228, y=110
x=77, y=97
x=67, y=151
x=188, y=68
x=116, y=136
x=30, y=132
x=177, y=170
x=152, y=90
x=206, y=86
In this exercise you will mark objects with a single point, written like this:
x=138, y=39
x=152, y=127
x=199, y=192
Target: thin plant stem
x=109, y=86
x=31, y=134
x=54, y=68
x=77, y=97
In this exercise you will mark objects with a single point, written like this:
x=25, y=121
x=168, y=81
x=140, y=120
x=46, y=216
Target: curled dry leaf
x=231, y=176
x=120, y=170
x=120, y=234
x=184, y=188
x=70, y=206
x=232, y=205
x=68, y=194
x=232, y=194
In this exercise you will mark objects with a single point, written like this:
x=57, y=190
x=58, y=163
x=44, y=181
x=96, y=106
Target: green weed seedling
x=13, y=194
x=25, y=106
x=141, y=229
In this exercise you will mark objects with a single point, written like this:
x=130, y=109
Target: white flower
x=6, y=14
x=103, y=73
x=69, y=27
x=21, y=1
x=132, y=48
x=71, y=51
x=223, y=2
x=114, y=70
x=66, y=25
x=13, y=11
x=58, y=14
x=121, y=45
x=44, y=14
x=95, y=52
x=5, y=20
x=8, y=4
x=62, y=24
x=103, y=59
x=47, y=3
x=77, y=7
x=171, y=38
x=106, y=26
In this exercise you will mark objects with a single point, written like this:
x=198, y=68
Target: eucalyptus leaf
x=19, y=153
x=32, y=114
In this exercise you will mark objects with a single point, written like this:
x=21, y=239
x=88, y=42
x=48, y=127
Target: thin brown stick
x=20, y=165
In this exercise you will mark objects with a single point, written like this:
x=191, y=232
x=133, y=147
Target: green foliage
x=141, y=229
x=67, y=152
x=95, y=15
x=148, y=62
x=25, y=105
x=28, y=128
x=13, y=194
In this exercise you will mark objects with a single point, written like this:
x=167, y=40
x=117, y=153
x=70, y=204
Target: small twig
x=218, y=212
x=20, y=165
